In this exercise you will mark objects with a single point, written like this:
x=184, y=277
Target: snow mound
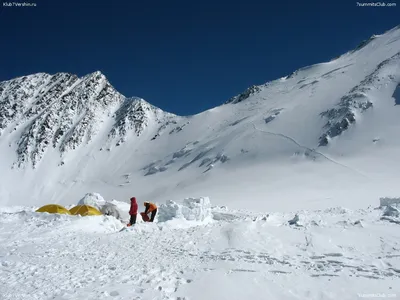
x=94, y=224
x=67, y=224
x=110, y=209
x=336, y=210
x=294, y=220
x=387, y=201
x=122, y=208
x=192, y=209
x=93, y=199
x=391, y=211
x=15, y=209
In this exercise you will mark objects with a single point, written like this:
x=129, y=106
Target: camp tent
x=84, y=210
x=54, y=209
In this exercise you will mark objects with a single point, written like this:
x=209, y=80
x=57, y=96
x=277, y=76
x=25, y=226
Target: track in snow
x=311, y=150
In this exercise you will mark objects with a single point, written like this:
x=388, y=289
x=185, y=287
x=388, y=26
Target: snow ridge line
x=309, y=149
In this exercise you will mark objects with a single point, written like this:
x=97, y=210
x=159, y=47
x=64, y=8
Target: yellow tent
x=54, y=209
x=85, y=210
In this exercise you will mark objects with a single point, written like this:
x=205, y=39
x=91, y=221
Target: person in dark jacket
x=133, y=211
x=150, y=208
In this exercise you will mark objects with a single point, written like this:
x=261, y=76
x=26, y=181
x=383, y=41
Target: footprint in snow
x=279, y=272
x=324, y=275
x=114, y=294
x=333, y=254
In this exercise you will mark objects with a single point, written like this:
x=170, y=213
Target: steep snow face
x=326, y=133
x=358, y=100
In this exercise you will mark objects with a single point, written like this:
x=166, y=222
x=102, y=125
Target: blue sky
x=183, y=56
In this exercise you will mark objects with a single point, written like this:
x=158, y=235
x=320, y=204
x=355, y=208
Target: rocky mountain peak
x=64, y=111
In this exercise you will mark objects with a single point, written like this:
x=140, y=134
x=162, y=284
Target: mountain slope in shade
x=328, y=133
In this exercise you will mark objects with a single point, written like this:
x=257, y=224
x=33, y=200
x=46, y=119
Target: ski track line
x=309, y=149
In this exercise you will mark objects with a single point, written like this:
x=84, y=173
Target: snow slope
x=334, y=253
x=324, y=135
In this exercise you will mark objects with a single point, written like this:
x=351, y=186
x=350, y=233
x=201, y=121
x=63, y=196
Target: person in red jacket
x=133, y=211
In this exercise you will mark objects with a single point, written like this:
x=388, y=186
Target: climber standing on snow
x=133, y=211
x=150, y=208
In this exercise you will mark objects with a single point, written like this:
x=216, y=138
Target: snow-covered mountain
x=64, y=112
x=326, y=133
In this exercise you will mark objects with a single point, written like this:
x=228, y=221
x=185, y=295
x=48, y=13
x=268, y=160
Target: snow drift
x=391, y=211
x=191, y=209
x=388, y=201
x=110, y=209
x=92, y=199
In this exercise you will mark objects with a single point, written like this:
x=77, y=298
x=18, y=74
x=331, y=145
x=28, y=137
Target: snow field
x=335, y=253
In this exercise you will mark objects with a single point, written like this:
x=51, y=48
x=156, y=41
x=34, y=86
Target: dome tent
x=54, y=209
x=85, y=210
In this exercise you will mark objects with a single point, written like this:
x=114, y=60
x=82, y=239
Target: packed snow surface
x=336, y=253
